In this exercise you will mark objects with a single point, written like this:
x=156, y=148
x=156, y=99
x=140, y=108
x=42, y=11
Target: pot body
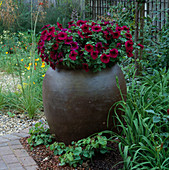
x=76, y=103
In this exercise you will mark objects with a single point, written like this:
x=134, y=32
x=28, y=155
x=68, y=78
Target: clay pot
x=76, y=103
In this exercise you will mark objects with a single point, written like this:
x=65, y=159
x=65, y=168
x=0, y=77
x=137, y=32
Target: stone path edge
x=13, y=156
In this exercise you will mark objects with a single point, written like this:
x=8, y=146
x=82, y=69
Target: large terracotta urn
x=76, y=103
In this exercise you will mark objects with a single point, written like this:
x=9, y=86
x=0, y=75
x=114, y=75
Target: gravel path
x=19, y=121
x=7, y=82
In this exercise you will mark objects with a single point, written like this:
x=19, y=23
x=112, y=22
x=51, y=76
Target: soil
x=46, y=160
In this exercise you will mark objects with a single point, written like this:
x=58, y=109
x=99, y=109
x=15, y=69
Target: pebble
x=8, y=82
x=10, y=125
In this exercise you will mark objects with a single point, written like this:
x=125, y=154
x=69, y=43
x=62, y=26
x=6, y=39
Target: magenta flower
x=105, y=58
x=85, y=27
x=85, y=67
x=94, y=54
x=141, y=46
x=113, y=53
x=118, y=45
x=99, y=46
x=129, y=44
x=69, y=40
x=125, y=28
x=129, y=54
x=168, y=111
x=88, y=47
x=59, y=25
x=96, y=28
x=55, y=46
x=62, y=36
x=52, y=65
x=80, y=22
x=44, y=32
x=80, y=34
x=128, y=35
x=74, y=46
x=116, y=34
x=45, y=26
x=51, y=29
x=73, y=55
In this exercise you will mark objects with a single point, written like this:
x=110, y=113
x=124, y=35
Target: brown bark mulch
x=46, y=160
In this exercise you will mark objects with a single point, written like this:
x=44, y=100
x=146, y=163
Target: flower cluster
x=85, y=44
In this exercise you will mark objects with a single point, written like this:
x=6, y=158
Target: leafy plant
x=78, y=152
x=39, y=135
x=145, y=138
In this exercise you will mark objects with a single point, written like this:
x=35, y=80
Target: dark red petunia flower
x=44, y=32
x=114, y=53
x=41, y=44
x=51, y=29
x=59, y=25
x=129, y=44
x=45, y=26
x=94, y=54
x=81, y=53
x=99, y=46
x=71, y=22
x=53, y=55
x=129, y=54
x=73, y=55
x=128, y=35
x=88, y=47
x=74, y=46
x=69, y=40
x=141, y=46
x=80, y=34
x=108, y=36
x=168, y=111
x=55, y=46
x=93, y=23
x=129, y=50
x=116, y=34
x=85, y=67
x=62, y=36
x=80, y=22
x=85, y=28
x=118, y=45
x=52, y=65
x=105, y=58
x=87, y=35
x=125, y=28
x=96, y=28
x=118, y=28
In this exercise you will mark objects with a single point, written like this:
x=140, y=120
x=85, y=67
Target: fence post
x=136, y=35
x=139, y=29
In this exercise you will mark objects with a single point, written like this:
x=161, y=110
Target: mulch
x=46, y=160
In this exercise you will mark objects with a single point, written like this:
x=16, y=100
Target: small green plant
x=10, y=114
x=78, y=152
x=39, y=135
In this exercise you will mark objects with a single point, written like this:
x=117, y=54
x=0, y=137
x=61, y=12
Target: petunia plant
x=88, y=45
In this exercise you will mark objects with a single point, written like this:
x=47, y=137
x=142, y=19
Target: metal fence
x=156, y=9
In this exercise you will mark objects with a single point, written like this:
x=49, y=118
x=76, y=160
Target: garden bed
x=45, y=158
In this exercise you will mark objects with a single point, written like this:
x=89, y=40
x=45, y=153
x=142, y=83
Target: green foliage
x=24, y=15
x=122, y=15
x=156, y=45
x=39, y=135
x=146, y=122
x=78, y=152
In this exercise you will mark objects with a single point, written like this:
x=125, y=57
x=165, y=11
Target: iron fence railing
x=156, y=9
